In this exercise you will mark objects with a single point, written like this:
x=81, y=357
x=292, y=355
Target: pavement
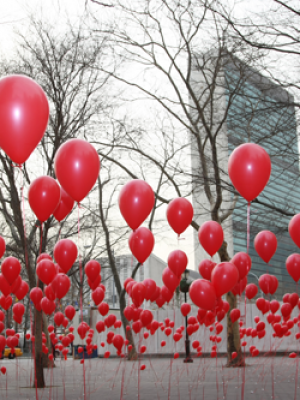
x=163, y=379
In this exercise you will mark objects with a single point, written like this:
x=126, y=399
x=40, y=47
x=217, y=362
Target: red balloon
x=243, y=263
x=100, y=326
x=65, y=254
x=136, y=201
x=43, y=197
x=49, y=293
x=64, y=207
x=16, y=285
x=58, y=318
x=95, y=284
x=177, y=262
x=224, y=277
x=43, y=256
x=235, y=315
x=146, y=317
x=103, y=308
x=4, y=286
x=46, y=271
x=70, y=312
x=265, y=244
x=286, y=309
x=293, y=266
x=166, y=294
x=138, y=294
x=203, y=294
x=274, y=306
x=249, y=168
x=180, y=214
x=155, y=294
x=2, y=246
x=19, y=309
x=47, y=306
x=185, y=309
x=150, y=286
x=240, y=287
x=77, y=166
x=22, y=290
x=294, y=229
x=5, y=302
x=260, y=303
x=251, y=291
x=61, y=285
x=273, y=284
x=10, y=269
x=141, y=243
x=92, y=270
x=265, y=283
x=118, y=342
x=211, y=237
x=205, y=268
x=170, y=280
x=160, y=300
x=24, y=116
x=98, y=296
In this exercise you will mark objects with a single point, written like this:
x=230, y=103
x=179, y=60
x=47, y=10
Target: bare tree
x=187, y=64
x=66, y=66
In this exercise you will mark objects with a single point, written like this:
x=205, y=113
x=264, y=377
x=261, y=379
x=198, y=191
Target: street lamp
x=184, y=287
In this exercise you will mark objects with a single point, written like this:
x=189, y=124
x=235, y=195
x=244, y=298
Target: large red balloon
x=46, y=271
x=92, y=270
x=205, y=268
x=65, y=254
x=43, y=197
x=224, y=277
x=61, y=285
x=22, y=291
x=138, y=294
x=136, y=201
x=150, y=286
x=293, y=266
x=170, y=280
x=177, y=262
x=249, y=168
x=64, y=207
x=141, y=243
x=294, y=229
x=243, y=263
x=265, y=244
x=24, y=114
x=203, y=294
x=10, y=269
x=77, y=167
x=211, y=236
x=48, y=306
x=4, y=286
x=251, y=291
x=179, y=214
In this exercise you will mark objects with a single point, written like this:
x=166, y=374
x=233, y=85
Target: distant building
x=260, y=112
x=152, y=268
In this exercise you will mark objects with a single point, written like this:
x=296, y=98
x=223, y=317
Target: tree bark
x=233, y=332
x=39, y=371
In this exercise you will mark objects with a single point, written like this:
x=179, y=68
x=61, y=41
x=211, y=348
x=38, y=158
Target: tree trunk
x=132, y=354
x=233, y=331
x=39, y=371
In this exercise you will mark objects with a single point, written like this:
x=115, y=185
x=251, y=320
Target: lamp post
x=184, y=287
x=251, y=273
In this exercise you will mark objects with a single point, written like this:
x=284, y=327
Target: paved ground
x=263, y=378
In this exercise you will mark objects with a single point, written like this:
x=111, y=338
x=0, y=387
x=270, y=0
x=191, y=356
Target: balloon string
x=248, y=226
x=81, y=293
x=41, y=237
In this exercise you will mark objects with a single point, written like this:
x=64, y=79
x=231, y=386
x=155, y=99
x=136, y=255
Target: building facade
x=251, y=108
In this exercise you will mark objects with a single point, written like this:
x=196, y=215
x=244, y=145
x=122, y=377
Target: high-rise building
x=244, y=106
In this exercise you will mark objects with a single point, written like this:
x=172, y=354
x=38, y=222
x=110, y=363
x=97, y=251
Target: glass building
x=259, y=111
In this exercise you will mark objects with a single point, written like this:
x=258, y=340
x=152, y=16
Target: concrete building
x=245, y=106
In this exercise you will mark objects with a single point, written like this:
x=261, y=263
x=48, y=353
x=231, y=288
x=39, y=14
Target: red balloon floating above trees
x=64, y=207
x=265, y=244
x=65, y=254
x=249, y=168
x=211, y=237
x=44, y=197
x=136, y=201
x=293, y=266
x=24, y=114
x=294, y=229
x=180, y=214
x=77, y=167
x=141, y=243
